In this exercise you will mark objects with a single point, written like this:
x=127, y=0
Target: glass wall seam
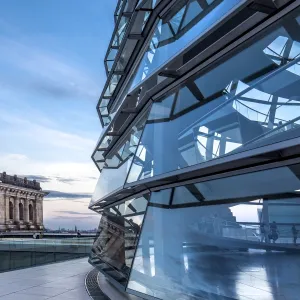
x=230, y=229
x=236, y=9
x=141, y=230
x=229, y=173
x=117, y=238
x=130, y=24
x=219, y=105
x=143, y=114
x=106, y=152
x=123, y=4
x=156, y=96
x=220, y=162
x=239, y=3
x=120, y=201
x=217, y=56
x=133, y=68
x=207, y=177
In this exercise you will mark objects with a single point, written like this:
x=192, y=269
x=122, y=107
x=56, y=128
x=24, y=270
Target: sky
x=51, y=76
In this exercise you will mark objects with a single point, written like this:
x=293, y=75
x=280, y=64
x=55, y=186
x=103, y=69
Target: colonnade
x=20, y=208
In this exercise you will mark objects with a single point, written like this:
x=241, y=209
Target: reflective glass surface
x=117, y=238
x=128, y=147
x=173, y=33
x=244, y=248
x=116, y=165
x=112, y=85
x=110, y=180
x=120, y=32
x=138, y=24
x=250, y=100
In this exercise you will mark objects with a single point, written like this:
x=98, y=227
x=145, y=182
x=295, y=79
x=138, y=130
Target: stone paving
x=58, y=281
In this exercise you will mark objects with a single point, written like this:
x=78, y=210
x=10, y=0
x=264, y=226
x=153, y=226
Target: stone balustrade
x=18, y=181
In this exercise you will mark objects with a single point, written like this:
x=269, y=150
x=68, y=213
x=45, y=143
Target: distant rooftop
x=21, y=182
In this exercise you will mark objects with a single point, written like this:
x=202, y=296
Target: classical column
x=34, y=212
x=16, y=210
x=26, y=210
x=6, y=199
x=39, y=211
x=2, y=208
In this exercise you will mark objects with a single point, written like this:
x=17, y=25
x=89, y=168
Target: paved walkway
x=59, y=281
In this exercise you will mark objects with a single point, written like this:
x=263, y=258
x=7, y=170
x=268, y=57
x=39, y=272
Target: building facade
x=199, y=155
x=21, y=204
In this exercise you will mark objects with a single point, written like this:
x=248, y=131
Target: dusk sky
x=51, y=76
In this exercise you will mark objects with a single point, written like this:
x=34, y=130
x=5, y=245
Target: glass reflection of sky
x=164, y=53
x=234, y=273
x=282, y=49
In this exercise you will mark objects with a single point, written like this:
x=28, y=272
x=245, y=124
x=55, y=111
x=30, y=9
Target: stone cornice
x=21, y=192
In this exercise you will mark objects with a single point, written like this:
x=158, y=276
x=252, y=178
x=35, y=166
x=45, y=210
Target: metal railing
x=18, y=253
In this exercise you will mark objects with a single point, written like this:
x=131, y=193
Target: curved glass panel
x=248, y=101
x=244, y=249
x=124, y=152
x=117, y=238
x=174, y=33
x=110, y=180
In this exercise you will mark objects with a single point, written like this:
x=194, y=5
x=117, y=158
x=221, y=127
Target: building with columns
x=21, y=204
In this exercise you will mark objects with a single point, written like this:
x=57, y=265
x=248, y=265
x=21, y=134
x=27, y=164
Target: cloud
x=67, y=180
x=57, y=194
x=70, y=212
x=46, y=135
x=52, y=89
x=57, y=142
x=38, y=178
x=58, y=212
x=61, y=217
x=63, y=221
x=82, y=175
x=47, y=72
x=41, y=178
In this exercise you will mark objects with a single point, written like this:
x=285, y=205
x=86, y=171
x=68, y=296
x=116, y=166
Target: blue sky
x=51, y=76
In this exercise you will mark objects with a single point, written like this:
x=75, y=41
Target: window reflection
x=117, y=238
x=106, y=185
x=250, y=100
x=238, y=250
x=117, y=164
x=174, y=32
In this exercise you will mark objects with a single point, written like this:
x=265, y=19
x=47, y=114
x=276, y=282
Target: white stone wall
x=16, y=195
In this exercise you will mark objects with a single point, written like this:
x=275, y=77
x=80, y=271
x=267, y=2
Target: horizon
x=51, y=77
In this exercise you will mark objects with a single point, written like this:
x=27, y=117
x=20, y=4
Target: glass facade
x=117, y=164
x=131, y=19
x=176, y=31
x=227, y=109
x=217, y=253
x=117, y=238
x=199, y=191
x=106, y=185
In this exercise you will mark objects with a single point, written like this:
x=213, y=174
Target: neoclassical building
x=21, y=203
